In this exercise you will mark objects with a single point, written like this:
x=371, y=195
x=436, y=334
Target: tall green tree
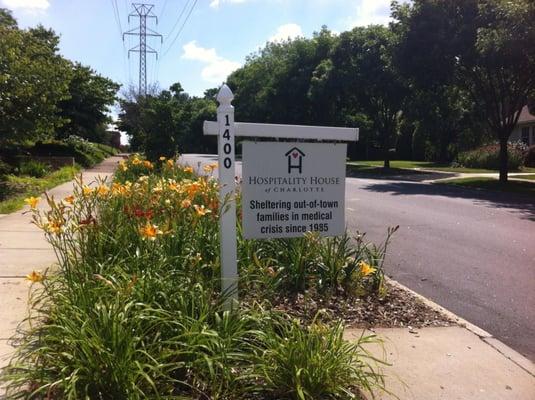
x=367, y=77
x=86, y=109
x=274, y=85
x=34, y=79
x=487, y=46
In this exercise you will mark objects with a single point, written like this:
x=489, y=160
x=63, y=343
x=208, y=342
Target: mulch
x=399, y=308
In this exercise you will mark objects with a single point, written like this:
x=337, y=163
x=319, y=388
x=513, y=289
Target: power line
x=180, y=30
x=178, y=19
x=163, y=8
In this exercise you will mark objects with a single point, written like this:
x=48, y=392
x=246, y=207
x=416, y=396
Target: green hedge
x=488, y=157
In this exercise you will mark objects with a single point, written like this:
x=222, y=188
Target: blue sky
x=214, y=41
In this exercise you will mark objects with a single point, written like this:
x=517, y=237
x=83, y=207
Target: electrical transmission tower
x=142, y=11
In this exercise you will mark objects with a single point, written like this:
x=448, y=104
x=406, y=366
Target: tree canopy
x=42, y=94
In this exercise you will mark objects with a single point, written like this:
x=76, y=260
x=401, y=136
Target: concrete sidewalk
x=23, y=249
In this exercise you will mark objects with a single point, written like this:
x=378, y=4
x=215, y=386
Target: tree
x=274, y=84
x=487, y=47
x=362, y=64
x=34, y=79
x=167, y=123
x=86, y=108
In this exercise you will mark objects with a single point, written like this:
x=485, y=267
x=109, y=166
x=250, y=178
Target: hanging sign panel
x=291, y=188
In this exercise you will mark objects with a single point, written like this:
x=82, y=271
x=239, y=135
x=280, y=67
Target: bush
x=34, y=168
x=529, y=157
x=488, y=157
x=136, y=311
x=85, y=153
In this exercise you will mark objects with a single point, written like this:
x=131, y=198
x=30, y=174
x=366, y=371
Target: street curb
x=460, y=321
x=512, y=355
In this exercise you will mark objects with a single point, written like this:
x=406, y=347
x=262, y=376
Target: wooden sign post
x=320, y=212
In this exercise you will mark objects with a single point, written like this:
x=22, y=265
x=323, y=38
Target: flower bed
x=135, y=309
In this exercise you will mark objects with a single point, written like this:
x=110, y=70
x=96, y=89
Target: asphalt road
x=470, y=251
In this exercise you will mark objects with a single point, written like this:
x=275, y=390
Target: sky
x=203, y=40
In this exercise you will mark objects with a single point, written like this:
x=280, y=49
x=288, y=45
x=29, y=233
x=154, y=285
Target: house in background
x=525, y=129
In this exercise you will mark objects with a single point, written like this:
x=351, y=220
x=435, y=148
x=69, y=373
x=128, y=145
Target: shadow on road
x=524, y=205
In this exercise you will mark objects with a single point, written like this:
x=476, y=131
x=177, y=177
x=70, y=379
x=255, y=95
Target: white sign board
x=292, y=188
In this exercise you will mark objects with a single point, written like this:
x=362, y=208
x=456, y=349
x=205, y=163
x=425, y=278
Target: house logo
x=295, y=159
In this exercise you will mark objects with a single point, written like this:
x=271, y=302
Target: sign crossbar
x=249, y=129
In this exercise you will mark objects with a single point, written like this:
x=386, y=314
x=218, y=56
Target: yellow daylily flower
x=103, y=190
x=201, y=210
x=188, y=170
x=87, y=191
x=365, y=268
x=210, y=168
x=32, y=202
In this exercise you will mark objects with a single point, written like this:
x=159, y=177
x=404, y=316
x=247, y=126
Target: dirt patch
x=399, y=308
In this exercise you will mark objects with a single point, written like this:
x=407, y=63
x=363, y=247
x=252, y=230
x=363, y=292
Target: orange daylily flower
x=35, y=276
x=69, y=199
x=150, y=231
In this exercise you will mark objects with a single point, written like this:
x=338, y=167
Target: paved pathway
x=23, y=249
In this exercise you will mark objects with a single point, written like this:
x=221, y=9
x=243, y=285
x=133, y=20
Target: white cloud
x=285, y=32
x=370, y=12
x=217, y=3
x=216, y=69
x=27, y=4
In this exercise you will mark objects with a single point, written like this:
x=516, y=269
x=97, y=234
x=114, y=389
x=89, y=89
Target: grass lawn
x=379, y=170
x=492, y=184
x=428, y=165
x=530, y=177
x=16, y=188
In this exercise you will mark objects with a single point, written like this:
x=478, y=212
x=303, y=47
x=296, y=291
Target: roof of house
x=525, y=116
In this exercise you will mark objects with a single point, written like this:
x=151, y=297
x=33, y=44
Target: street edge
x=515, y=357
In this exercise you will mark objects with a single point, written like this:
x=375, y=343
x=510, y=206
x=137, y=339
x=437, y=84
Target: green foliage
x=488, y=157
x=164, y=124
x=86, y=109
x=43, y=94
x=315, y=362
x=33, y=80
x=529, y=157
x=135, y=310
x=33, y=168
x=14, y=189
x=484, y=47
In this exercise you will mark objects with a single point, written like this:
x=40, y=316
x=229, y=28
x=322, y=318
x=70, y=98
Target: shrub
x=488, y=157
x=529, y=157
x=136, y=311
x=313, y=362
x=33, y=168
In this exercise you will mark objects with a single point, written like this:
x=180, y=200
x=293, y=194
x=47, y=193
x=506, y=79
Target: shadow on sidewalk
x=522, y=204
x=397, y=174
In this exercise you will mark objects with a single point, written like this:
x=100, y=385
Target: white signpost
x=289, y=187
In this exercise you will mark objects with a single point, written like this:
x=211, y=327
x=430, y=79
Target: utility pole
x=142, y=11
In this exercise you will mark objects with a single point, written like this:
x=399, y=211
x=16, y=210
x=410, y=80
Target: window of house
x=533, y=136
x=525, y=136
